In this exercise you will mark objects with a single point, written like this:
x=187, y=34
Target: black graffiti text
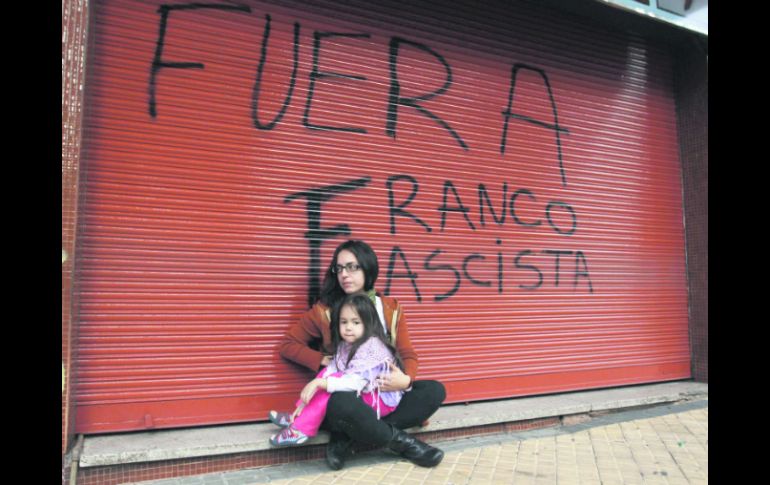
x=490, y=270
x=158, y=62
x=568, y=266
x=316, y=234
x=452, y=202
x=397, y=98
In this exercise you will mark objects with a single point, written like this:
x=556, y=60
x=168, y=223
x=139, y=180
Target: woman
x=354, y=268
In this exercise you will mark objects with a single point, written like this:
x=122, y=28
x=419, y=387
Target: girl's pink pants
x=314, y=412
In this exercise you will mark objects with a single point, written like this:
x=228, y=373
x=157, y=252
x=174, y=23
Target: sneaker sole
x=279, y=424
x=286, y=444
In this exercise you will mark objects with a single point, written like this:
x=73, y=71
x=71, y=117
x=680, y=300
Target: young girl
x=362, y=355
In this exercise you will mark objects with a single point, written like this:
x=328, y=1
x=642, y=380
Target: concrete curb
x=142, y=447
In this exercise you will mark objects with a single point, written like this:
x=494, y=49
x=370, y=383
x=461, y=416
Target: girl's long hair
x=331, y=291
x=367, y=312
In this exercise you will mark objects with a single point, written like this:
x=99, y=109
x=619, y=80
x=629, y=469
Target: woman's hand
x=396, y=381
x=326, y=360
x=311, y=388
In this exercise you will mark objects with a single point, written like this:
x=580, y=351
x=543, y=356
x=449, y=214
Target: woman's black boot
x=414, y=450
x=337, y=450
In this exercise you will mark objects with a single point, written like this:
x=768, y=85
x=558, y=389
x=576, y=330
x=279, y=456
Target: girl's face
x=351, y=326
x=350, y=280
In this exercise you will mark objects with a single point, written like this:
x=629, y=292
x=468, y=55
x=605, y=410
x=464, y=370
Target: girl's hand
x=326, y=360
x=311, y=388
x=396, y=381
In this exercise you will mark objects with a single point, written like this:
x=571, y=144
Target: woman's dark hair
x=366, y=310
x=331, y=292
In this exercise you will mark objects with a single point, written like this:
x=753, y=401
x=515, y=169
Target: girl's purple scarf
x=370, y=361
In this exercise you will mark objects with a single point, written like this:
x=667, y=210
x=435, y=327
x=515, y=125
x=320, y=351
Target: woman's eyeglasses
x=351, y=267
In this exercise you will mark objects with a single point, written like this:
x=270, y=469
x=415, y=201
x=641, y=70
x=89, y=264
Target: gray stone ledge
x=149, y=446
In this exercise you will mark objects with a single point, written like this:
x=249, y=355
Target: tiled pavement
x=665, y=445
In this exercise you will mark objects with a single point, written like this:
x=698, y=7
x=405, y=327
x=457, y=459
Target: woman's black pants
x=347, y=414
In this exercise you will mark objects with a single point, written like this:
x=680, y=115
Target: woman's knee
x=440, y=390
x=432, y=390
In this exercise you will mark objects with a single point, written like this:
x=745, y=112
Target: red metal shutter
x=516, y=171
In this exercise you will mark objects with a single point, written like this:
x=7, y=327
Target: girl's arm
x=311, y=388
x=346, y=382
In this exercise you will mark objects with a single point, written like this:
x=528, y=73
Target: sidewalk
x=659, y=445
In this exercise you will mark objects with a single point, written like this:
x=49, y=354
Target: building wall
x=75, y=16
x=692, y=99
x=692, y=88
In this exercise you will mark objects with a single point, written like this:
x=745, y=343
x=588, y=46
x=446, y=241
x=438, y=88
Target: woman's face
x=351, y=281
